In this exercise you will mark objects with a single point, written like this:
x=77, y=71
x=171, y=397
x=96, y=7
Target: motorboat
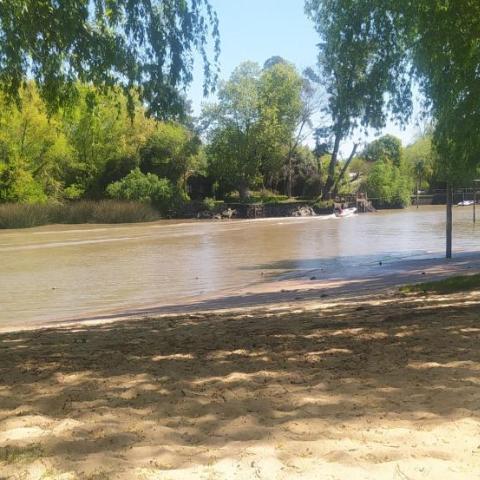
x=346, y=212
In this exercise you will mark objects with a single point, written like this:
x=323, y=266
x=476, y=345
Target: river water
x=60, y=271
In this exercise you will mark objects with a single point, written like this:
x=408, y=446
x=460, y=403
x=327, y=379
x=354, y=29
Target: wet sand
x=378, y=386
x=303, y=287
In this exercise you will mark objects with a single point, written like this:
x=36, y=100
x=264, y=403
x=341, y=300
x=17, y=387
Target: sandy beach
x=378, y=386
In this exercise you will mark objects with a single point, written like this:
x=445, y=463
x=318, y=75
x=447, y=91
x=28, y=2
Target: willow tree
x=143, y=45
x=361, y=76
x=392, y=43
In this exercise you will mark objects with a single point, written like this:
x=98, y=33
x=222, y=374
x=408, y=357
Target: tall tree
x=283, y=116
x=434, y=41
x=357, y=72
x=232, y=125
x=385, y=147
x=251, y=127
x=142, y=45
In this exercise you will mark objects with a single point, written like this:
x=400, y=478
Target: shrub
x=209, y=203
x=142, y=188
x=73, y=192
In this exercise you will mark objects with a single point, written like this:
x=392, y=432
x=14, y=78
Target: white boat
x=346, y=212
x=465, y=203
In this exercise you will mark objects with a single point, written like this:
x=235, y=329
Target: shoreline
x=301, y=288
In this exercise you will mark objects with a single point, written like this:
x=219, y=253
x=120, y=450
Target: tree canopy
x=252, y=125
x=144, y=46
x=377, y=48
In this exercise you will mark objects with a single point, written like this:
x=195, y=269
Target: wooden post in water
x=449, y=220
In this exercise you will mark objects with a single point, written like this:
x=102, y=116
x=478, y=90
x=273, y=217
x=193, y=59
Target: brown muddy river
x=60, y=271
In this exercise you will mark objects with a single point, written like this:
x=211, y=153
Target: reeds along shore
x=14, y=215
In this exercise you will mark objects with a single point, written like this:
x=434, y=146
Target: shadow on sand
x=170, y=389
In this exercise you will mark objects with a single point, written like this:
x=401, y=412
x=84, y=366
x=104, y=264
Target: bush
x=73, y=192
x=142, y=188
x=209, y=204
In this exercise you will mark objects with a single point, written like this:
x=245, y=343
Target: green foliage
x=358, y=171
x=77, y=153
x=393, y=42
x=18, y=185
x=82, y=147
x=209, y=204
x=267, y=196
x=463, y=283
x=262, y=196
x=115, y=169
x=142, y=188
x=357, y=79
x=170, y=152
x=386, y=147
x=233, y=151
x=280, y=110
x=252, y=125
x=102, y=135
x=73, y=192
x=421, y=159
x=313, y=186
x=143, y=45
x=389, y=185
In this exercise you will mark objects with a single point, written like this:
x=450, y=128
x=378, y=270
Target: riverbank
x=374, y=387
x=16, y=215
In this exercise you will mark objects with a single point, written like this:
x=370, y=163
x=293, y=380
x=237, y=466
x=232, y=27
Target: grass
x=449, y=285
x=27, y=454
x=265, y=196
x=105, y=211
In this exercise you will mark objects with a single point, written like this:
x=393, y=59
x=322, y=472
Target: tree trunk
x=345, y=167
x=329, y=184
x=449, y=221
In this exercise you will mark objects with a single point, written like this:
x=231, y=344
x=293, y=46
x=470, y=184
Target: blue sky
x=259, y=29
